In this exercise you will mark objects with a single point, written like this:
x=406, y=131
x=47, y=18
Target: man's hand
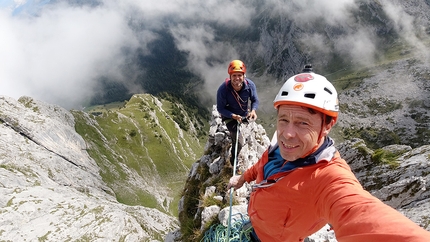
x=236, y=182
x=237, y=117
x=252, y=115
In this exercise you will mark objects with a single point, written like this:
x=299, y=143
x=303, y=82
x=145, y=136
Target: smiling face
x=298, y=131
x=237, y=79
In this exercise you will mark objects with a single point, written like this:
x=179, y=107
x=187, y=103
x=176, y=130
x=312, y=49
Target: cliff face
x=52, y=189
x=334, y=37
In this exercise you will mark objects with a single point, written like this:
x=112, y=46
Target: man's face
x=298, y=131
x=237, y=80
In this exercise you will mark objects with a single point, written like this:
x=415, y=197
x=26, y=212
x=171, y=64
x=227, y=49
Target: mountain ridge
x=87, y=187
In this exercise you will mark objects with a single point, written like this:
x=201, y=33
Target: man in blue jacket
x=237, y=101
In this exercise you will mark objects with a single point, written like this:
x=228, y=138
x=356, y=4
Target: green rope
x=239, y=231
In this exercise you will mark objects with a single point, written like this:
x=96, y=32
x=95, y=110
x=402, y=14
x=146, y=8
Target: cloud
x=236, y=13
x=57, y=55
x=332, y=12
x=359, y=46
x=409, y=27
x=55, y=51
x=206, y=57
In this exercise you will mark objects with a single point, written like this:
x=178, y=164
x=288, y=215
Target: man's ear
x=327, y=127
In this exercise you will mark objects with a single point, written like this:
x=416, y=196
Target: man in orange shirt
x=302, y=183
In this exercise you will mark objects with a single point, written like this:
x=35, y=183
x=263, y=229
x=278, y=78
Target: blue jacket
x=228, y=103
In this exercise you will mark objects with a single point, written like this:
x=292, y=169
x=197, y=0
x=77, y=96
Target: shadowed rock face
x=51, y=188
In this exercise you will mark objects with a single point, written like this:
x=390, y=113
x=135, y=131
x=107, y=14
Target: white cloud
x=55, y=52
x=237, y=13
x=408, y=28
x=359, y=46
x=57, y=55
x=207, y=57
x=305, y=11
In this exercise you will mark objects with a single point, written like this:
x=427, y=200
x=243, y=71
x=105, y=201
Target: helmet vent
x=328, y=90
x=284, y=93
x=310, y=95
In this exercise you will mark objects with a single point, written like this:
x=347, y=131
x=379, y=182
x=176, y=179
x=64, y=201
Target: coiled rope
x=240, y=230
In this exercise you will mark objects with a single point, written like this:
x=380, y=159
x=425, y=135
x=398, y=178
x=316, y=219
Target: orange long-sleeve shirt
x=328, y=192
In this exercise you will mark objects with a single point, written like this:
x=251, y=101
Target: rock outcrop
x=50, y=187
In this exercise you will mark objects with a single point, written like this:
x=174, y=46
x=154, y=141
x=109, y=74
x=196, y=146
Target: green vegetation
x=375, y=106
x=374, y=137
x=381, y=156
x=180, y=108
x=44, y=237
x=350, y=80
x=381, y=106
x=210, y=200
x=425, y=222
x=110, y=91
x=194, y=200
x=362, y=149
x=29, y=103
x=138, y=141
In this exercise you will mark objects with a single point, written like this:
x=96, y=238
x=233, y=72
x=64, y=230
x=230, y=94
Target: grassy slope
x=138, y=145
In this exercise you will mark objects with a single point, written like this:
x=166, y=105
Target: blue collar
x=276, y=162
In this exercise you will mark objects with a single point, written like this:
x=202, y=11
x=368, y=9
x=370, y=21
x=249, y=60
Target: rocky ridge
x=50, y=187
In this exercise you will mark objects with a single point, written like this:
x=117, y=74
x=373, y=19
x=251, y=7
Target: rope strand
x=239, y=100
x=218, y=232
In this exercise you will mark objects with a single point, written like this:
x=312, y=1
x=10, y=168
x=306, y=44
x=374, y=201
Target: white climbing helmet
x=309, y=90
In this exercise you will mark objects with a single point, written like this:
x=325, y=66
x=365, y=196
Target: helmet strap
x=320, y=136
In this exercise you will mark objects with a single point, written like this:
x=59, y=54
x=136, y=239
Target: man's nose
x=289, y=131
